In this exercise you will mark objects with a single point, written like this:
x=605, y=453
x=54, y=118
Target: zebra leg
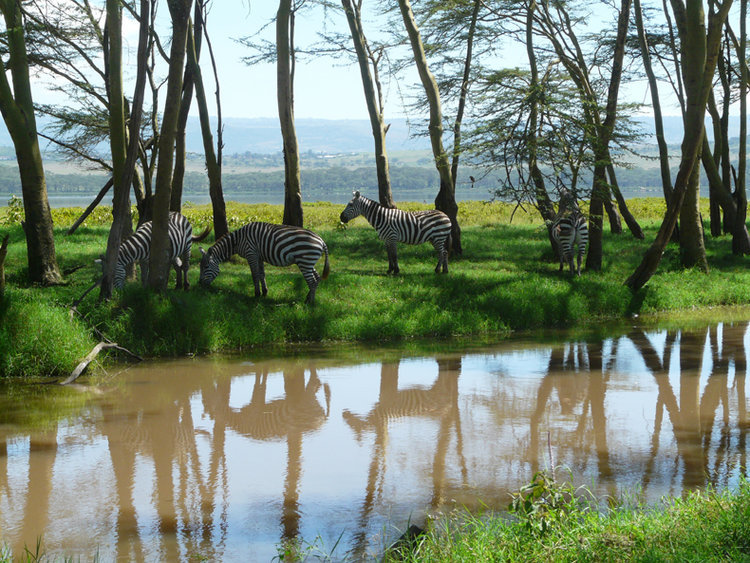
x=390, y=247
x=312, y=278
x=442, y=251
x=256, y=269
x=263, y=286
x=185, y=268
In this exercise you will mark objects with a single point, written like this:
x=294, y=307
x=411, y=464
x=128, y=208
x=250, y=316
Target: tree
x=124, y=148
x=285, y=63
x=369, y=60
x=17, y=107
x=179, y=11
x=213, y=162
x=446, y=198
x=556, y=24
x=700, y=51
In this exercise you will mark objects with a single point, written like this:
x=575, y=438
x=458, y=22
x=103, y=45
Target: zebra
x=137, y=248
x=278, y=245
x=394, y=225
x=569, y=229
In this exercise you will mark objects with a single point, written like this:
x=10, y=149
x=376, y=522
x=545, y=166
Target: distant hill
x=334, y=136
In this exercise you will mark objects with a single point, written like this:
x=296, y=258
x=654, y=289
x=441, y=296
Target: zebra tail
x=203, y=235
x=326, y=268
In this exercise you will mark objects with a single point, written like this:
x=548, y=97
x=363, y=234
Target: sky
x=324, y=88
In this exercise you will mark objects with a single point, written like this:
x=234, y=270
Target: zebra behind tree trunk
x=278, y=245
x=394, y=226
x=136, y=248
x=570, y=230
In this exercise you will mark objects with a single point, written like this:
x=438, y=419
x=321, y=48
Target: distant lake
x=83, y=200
x=277, y=198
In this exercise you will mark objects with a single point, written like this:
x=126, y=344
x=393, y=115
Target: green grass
x=701, y=526
x=507, y=280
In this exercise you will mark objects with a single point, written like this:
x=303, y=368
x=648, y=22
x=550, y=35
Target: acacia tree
x=699, y=54
x=446, y=198
x=17, y=107
x=179, y=11
x=556, y=24
x=124, y=147
x=285, y=65
x=369, y=62
x=213, y=162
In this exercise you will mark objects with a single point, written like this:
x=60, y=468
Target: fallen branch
x=80, y=368
x=73, y=307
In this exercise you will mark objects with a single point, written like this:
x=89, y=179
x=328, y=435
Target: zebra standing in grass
x=568, y=230
x=394, y=225
x=137, y=248
x=279, y=245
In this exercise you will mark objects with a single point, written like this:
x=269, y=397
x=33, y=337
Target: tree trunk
x=17, y=109
x=740, y=240
x=159, y=259
x=285, y=98
x=692, y=245
x=464, y=93
x=186, y=101
x=212, y=164
x=622, y=205
x=699, y=58
x=604, y=130
x=116, y=103
x=446, y=198
x=543, y=202
x=666, y=180
x=374, y=109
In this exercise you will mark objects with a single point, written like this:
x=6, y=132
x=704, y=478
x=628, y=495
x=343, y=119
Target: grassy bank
x=701, y=526
x=507, y=280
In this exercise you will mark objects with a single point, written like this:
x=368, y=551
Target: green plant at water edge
x=544, y=502
x=297, y=549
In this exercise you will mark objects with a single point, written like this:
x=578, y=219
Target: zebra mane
x=225, y=241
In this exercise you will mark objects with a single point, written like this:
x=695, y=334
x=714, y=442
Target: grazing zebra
x=394, y=225
x=570, y=229
x=137, y=248
x=279, y=245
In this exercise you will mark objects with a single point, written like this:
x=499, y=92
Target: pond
x=345, y=447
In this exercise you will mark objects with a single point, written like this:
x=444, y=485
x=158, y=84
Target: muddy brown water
x=225, y=459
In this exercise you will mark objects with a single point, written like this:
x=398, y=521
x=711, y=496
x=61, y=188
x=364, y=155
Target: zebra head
x=352, y=209
x=209, y=268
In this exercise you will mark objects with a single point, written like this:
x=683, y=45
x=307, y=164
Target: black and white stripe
x=278, y=245
x=394, y=225
x=569, y=230
x=137, y=248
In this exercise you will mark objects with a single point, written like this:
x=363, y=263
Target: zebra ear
x=355, y=194
x=203, y=252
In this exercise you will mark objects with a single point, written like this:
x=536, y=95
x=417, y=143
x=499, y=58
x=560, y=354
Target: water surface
x=228, y=458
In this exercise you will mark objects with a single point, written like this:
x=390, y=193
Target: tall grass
x=507, y=280
x=701, y=526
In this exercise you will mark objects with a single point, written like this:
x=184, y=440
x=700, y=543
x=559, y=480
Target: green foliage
x=702, y=526
x=545, y=503
x=13, y=213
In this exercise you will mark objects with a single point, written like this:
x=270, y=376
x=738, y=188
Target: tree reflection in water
x=224, y=460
